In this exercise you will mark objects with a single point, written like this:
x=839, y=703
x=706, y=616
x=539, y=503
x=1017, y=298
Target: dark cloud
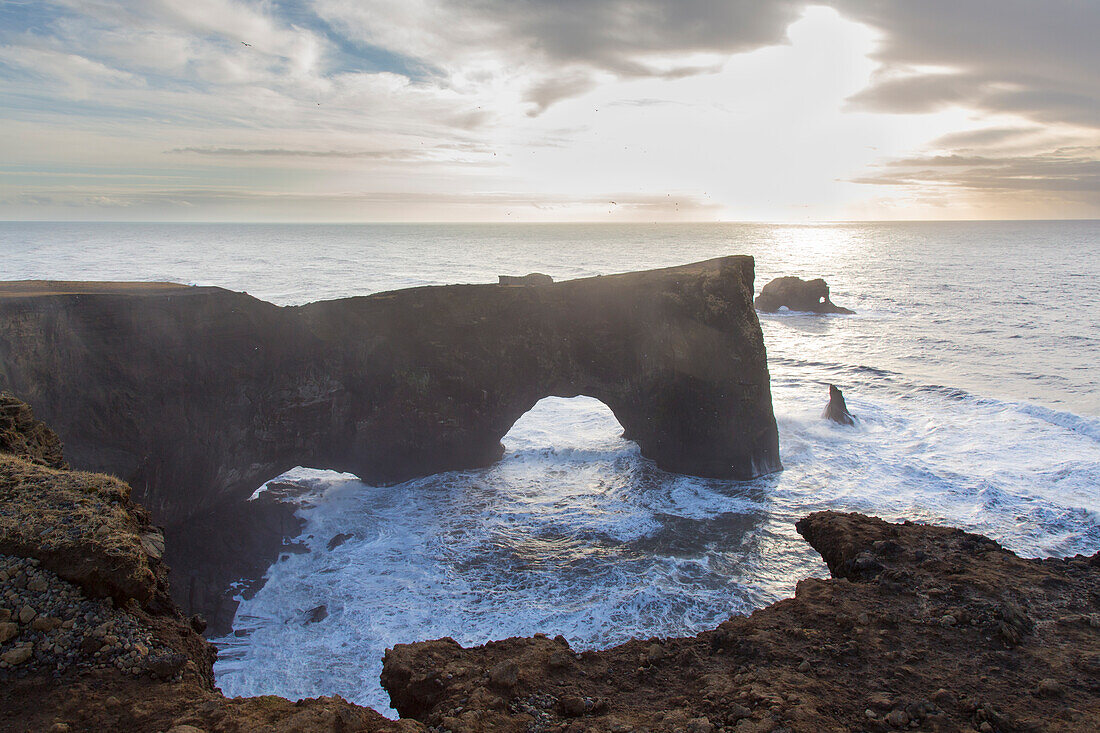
x=621, y=35
x=1036, y=59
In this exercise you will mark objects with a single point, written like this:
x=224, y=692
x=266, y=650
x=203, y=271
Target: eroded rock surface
x=196, y=396
x=921, y=627
x=23, y=435
x=796, y=294
x=108, y=651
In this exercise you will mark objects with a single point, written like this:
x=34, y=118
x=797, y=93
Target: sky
x=549, y=110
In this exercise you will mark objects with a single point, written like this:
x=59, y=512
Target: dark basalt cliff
x=196, y=396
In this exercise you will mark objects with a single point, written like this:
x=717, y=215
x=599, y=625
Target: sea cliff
x=197, y=396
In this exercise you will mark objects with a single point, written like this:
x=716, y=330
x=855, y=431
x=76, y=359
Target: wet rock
x=338, y=540
x=837, y=409
x=317, y=614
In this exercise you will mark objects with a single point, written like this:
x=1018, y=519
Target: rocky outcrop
x=81, y=526
x=22, y=435
x=196, y=396
x=920, y=627
x=792, y=293
x=88, y=640
x=837, y=409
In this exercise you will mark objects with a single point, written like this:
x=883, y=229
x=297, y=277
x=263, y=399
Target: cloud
x=1035, y=60
x=548, y=51
x=1075, y=171
x=985, y=136
x=386, y=88
x=285, y=153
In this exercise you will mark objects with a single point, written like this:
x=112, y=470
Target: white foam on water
x=573, y=532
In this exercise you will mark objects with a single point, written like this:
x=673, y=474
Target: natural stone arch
x=196, y=396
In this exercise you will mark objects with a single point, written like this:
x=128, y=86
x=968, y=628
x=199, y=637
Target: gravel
x=48, y=624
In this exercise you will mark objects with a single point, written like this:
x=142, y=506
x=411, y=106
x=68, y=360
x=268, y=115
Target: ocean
x=971, y=365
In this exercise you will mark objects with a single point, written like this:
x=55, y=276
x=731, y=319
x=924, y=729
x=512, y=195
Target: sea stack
x=792, y=293
x=837, y=409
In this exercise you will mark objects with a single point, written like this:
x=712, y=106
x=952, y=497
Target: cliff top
x=43, y=288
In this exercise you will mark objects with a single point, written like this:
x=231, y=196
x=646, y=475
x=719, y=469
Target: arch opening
x=566, y=423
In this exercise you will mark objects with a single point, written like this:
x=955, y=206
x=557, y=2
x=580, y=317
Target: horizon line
x=773, y=222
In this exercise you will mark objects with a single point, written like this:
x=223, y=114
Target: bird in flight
x=246, y=44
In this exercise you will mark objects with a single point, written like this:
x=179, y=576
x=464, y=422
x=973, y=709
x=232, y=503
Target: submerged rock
x=338, y=539
x=317, y=614
x=837, y=409
x=792, y=293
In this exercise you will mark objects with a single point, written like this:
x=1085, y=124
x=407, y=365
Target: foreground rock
x=196, y=396
x=792, y=293
x=89, y=640
x=920, y=628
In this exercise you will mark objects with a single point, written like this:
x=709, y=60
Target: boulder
x=792, y=293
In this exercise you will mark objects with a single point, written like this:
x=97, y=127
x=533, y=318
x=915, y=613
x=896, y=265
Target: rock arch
x=195, y=396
